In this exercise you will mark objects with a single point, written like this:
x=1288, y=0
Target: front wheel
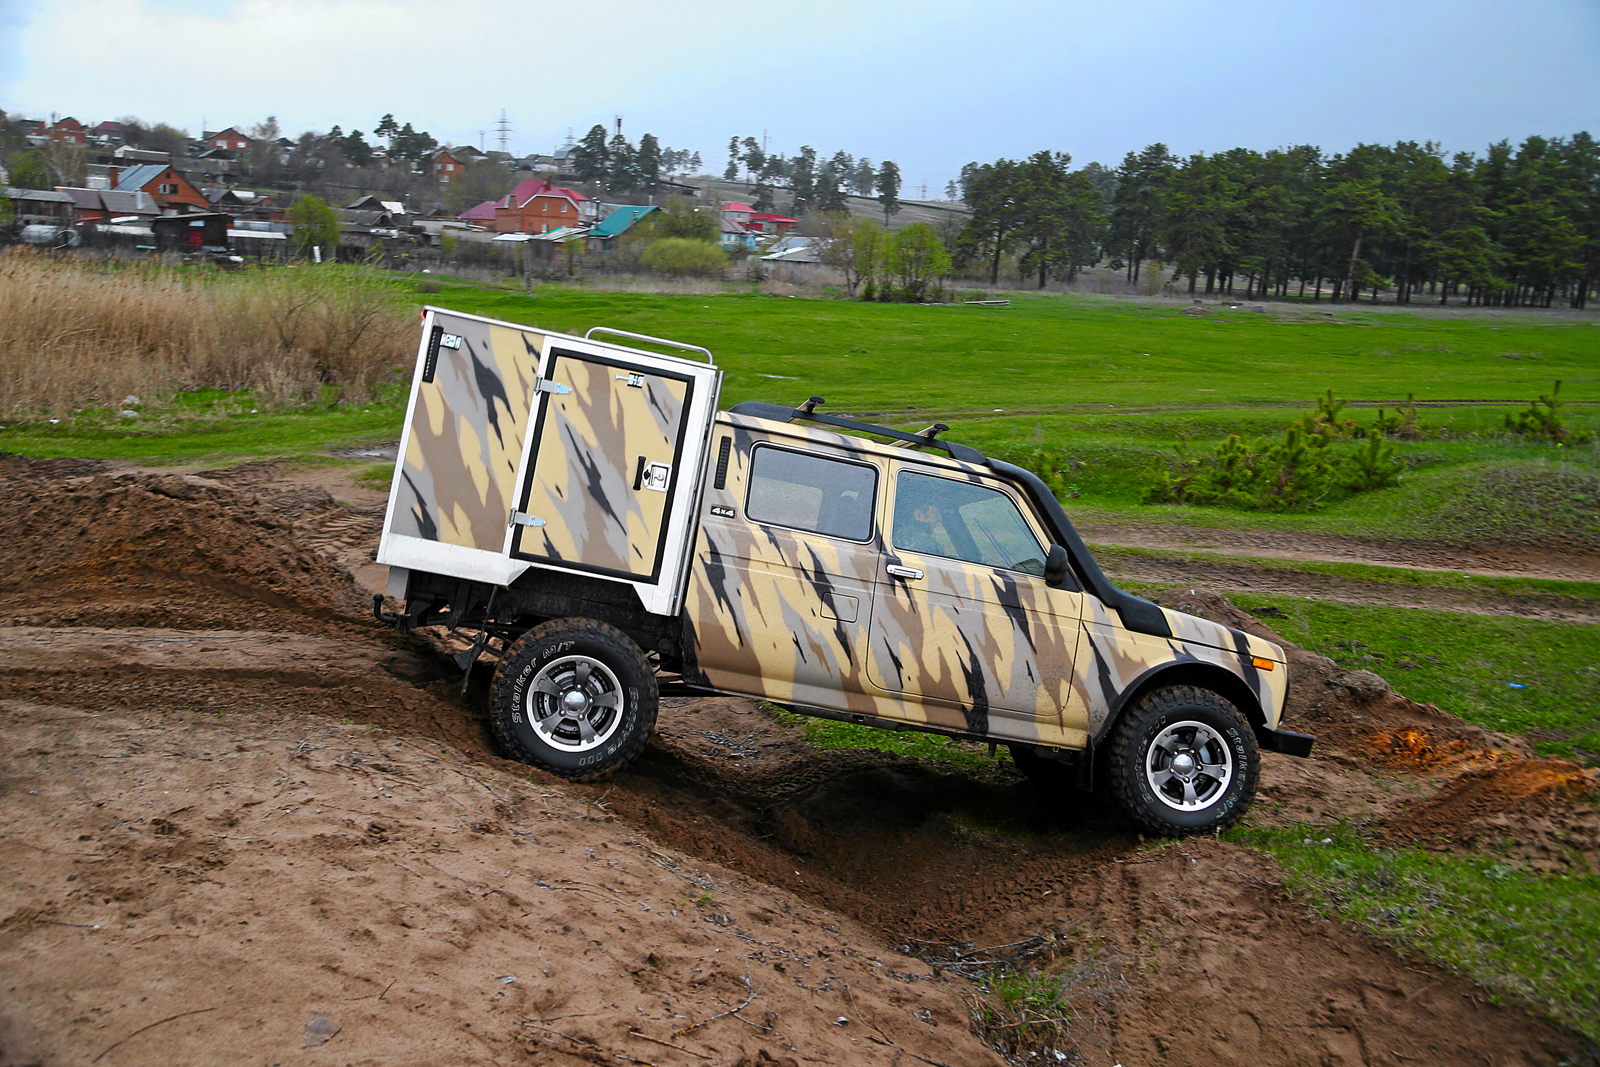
x=1184, y=761
x=576, y=697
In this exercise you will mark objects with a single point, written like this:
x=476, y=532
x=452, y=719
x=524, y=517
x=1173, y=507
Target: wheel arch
x=1202, y=675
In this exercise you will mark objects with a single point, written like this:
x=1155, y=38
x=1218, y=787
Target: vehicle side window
x=942, y=517
x=812, y=493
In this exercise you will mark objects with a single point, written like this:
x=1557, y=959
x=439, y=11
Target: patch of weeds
x=826, y=734
x=1030, y=1016
x=1522, y=934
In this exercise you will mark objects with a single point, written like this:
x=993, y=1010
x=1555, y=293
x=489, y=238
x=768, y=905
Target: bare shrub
x=86, y=333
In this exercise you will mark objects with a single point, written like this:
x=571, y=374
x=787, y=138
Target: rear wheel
x=1184, y=761
x=576, y=697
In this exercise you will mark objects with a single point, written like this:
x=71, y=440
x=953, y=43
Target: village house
x=619, y=219
x=40, y=205
x=446, y=165
x=171, y=191
x=736, y=211
x=229, y=140
x=69, y=129
x=244, y=205
x=95, y=207
x=767, y=222
x=534, y=206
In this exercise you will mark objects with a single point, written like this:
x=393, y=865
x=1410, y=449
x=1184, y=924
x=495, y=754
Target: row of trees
x=1514, y=226
x=815, y=184
x=616, y=166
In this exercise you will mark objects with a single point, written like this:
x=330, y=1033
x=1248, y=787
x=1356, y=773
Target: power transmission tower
x=503, y=130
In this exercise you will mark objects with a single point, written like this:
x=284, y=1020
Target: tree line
x=1515, y=226
x=617, y=166
x=815, y=184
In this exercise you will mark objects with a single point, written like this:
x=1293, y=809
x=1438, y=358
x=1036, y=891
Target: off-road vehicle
x=584, y=510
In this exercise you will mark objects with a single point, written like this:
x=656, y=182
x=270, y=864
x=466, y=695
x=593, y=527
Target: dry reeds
x=85, y=334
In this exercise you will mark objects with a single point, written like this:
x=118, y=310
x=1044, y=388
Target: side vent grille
x=722, y=463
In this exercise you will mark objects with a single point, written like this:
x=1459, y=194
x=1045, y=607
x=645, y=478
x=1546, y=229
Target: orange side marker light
x=1261, y=663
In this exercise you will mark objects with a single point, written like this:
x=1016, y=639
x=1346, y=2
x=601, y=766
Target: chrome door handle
x=903, y=572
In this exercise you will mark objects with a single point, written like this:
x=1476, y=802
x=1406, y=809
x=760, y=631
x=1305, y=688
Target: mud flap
x=1286, y=742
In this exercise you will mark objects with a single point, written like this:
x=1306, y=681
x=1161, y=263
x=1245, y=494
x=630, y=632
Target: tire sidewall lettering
x=609, y=649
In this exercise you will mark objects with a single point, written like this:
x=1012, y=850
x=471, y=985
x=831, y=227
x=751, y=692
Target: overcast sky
x=931, y=85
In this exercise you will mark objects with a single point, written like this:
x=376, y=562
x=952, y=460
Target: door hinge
x=522, y=518
x=545, y=385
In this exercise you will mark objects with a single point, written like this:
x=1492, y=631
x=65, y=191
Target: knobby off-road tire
x=1184, y=761
x=576, y=697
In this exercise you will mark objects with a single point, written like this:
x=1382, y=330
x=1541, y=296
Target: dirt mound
x=14, y=467
x=157, y=550
x=1539, y=813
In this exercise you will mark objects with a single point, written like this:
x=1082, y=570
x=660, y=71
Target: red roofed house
x=538, y=206
x=734, y=211
x=482, y=215
x=767, y=222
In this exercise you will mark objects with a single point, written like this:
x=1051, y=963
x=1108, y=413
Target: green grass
x=212, y=429
x=1524, y=935
x=1059, y=353
x=826, y=734
x=1470, y=665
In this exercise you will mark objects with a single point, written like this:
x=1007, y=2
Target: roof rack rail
x=807, y=413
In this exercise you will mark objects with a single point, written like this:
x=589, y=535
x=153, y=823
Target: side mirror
x=1055, y=566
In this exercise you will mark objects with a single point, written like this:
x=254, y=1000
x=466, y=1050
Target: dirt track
x=244, y=824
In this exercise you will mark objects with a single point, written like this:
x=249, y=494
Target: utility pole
x=503, y=128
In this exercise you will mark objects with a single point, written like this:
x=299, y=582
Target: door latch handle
x=903, y=572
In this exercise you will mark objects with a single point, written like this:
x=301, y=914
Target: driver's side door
x=962, y=615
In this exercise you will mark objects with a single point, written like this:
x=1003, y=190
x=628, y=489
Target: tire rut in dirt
x=906, y=846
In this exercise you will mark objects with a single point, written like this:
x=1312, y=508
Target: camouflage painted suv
x=586, y=511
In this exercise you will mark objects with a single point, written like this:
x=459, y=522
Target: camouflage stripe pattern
x=457, y=478
x=594, y=445
x=818, y=621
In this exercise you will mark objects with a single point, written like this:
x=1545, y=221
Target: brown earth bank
x=245, y=824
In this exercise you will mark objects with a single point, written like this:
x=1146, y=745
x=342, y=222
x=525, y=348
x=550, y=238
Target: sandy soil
x=244, y=824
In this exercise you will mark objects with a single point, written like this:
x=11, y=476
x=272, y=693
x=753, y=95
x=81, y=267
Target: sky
x=931, y=85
